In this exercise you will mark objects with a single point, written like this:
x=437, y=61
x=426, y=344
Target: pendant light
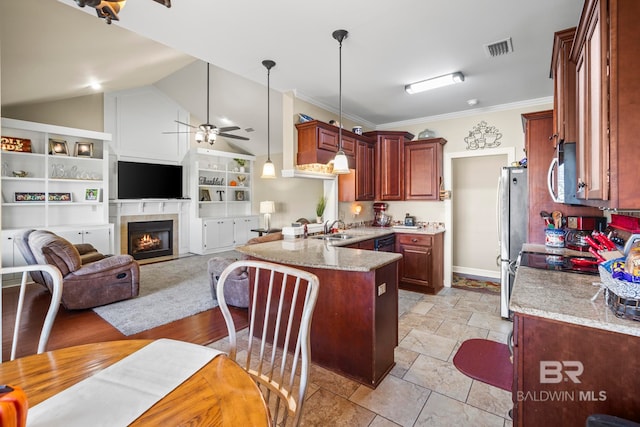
x=340, y=162
x=268, y=170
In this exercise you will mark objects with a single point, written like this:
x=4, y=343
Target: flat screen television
x=149, y=181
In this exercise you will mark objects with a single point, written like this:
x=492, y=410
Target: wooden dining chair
x=276, y=351
x=52, y=311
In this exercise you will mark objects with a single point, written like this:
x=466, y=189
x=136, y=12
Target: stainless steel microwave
x=562, y=180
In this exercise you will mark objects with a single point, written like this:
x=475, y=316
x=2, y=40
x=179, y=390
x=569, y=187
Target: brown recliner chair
x=90, y=279
x=236, y=291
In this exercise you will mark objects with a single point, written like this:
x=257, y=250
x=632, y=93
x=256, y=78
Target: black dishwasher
x=385, y=244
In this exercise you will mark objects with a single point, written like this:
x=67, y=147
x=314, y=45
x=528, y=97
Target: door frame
x=510, y=152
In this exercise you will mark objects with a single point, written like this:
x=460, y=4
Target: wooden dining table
x=221, y=393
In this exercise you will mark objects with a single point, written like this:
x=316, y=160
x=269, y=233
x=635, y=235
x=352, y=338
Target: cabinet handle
x=414, y=240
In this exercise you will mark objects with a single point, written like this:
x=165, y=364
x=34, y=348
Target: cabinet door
x=564, y=87
x=423, y=168
x=327, y=140
x=592, y=103
x=218, y=233
x=243, y=228
x=100, y=238
x=365, y=160
x=416, y=265
x=390, y=155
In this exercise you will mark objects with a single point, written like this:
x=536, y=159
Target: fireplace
x=150, y=239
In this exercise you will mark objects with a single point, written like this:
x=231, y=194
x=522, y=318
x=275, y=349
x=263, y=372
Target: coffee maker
x=380, y=217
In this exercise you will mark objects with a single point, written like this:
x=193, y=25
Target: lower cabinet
x=564, y=371
x=242, y=229
x=99, y=237
x=220, y=234
x=422, y=264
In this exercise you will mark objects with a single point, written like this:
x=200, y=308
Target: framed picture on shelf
x=92, y=195
x=205, y=196
x=83, y=149
x=59, y=197
x=28, y=197
x=240, y=196
x=58, y=147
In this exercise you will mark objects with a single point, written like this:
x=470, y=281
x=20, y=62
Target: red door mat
x=486, y=361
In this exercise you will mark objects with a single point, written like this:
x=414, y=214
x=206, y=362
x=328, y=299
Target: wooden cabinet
x=539, y=145
x=606, y=51
x=563, y=72
x=578, y=365
x=360, y=183
x=423, y=169
x=318, y=143
x=389, y=179
x=422, y=264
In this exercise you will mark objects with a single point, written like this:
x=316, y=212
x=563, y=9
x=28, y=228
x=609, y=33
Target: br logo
x=554, y=372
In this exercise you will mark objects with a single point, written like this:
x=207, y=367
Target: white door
x=218, y=233
x=243, y=227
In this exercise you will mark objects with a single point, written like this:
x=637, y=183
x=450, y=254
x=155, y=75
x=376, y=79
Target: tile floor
x=424, y=388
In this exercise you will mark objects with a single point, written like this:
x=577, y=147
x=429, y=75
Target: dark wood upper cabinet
x=563, y=72
x=606, y=51
x=318, y=143
x=423, y=169
x=389, y=177
x=360, y=183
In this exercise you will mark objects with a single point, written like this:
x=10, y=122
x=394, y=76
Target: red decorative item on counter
x=13, y=406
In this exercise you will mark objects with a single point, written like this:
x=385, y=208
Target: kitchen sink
x=335, y=236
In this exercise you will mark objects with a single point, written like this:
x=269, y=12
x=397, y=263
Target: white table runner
x=120, y=393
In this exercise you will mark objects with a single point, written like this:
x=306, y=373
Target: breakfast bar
x=354, y=330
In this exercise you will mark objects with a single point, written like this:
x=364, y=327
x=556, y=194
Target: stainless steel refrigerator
x=513, y=220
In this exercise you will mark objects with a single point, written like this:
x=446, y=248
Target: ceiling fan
x=207, y=132
x=108, y=9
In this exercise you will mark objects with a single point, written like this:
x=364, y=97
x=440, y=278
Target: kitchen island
x=572, y=356
x=354, y=330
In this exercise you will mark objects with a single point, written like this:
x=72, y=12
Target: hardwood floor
x=75, y=327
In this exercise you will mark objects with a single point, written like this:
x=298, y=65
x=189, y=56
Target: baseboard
x=477, y=273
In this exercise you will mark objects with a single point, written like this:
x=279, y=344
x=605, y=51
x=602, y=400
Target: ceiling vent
x=498, y=48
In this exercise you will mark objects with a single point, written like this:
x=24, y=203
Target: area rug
x=486, y=361
x=169, y=291
x=473, y=284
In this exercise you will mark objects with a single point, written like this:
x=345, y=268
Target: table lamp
x=267, y=208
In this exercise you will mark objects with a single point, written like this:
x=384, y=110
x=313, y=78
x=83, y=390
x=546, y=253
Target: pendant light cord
x=207, y=93
x=268, y=115
x=340, y=96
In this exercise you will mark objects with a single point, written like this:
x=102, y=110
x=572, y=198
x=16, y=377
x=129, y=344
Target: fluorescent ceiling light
x=434, y=83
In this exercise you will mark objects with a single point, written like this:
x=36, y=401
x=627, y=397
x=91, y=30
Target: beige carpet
x=169, y=291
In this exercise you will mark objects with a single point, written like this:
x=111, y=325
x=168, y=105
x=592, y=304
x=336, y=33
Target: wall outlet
x=382, y=288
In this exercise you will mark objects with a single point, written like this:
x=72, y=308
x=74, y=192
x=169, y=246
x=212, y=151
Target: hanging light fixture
x=268, y=170
x=340, y=162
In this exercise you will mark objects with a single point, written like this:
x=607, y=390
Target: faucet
x=328, y=227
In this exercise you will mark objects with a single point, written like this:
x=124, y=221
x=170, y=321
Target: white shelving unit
x=221, y=190
x=60, y=184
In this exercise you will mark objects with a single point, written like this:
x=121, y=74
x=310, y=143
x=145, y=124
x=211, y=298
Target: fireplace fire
x=150, y=239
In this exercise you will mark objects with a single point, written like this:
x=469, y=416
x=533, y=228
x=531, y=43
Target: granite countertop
x=317, y=253
x=565, y=297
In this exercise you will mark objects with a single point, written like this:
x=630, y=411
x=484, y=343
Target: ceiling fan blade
x=228, y=135
x=186, y=124
x=177, y=132
x=229, y=128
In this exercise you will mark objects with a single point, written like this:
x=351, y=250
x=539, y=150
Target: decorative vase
x=242, y=169
x=319, y=219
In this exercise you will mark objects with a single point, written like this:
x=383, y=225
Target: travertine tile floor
x=424, y=388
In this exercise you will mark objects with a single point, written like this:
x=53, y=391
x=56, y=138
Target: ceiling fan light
x=341, y=164
x=199, y=136
x=268, y=170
